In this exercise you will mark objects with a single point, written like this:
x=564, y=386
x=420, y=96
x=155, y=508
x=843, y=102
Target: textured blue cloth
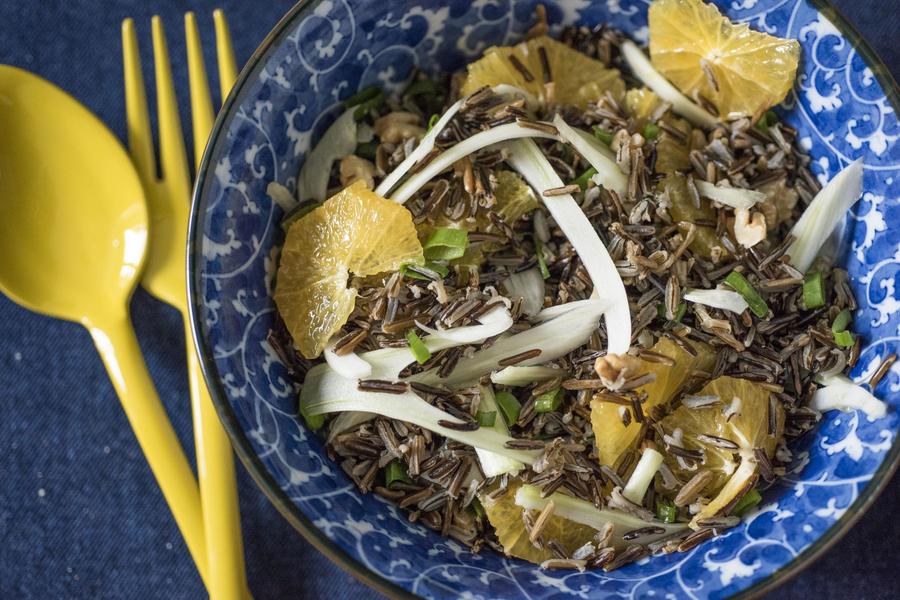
x=80, y=514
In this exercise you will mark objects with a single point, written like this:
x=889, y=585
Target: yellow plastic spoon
x=73, y=237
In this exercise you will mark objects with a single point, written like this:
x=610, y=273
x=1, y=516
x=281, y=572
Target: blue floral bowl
x=845, y=106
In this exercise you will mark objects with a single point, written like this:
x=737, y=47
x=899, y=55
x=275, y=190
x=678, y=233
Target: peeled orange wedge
x=576, y=79
x=611, y=437
x=355, y=231
x=506, y=517
x=734, y=471
x=743, y=72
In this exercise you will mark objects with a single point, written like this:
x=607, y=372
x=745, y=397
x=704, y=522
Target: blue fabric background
x=80, y=514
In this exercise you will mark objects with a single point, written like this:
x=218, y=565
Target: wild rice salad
x=573, y=302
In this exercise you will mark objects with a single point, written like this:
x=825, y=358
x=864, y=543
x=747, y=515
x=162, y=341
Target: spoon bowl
x=66, y=254
x=73, y=237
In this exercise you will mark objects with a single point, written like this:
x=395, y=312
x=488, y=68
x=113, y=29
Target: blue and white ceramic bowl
x=844, y=105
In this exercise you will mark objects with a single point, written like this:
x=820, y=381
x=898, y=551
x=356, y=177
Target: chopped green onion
x=438, y=268
x=395, y=471
x=583, y=179
x=750, y=499
x=313, y=422
x=651, y=131
x=844, y=339
x=477, y=508
x=422, y=87
x=771, y=117
x=433, y=121
x=367, y=150
x=766, y=121
x=740, y=284
x=665, y=510
x=363, y=108
x=813, y=291
x=486, y=418
x=679, y=312
x=509, y=406
x=603, y=135
x=446, y=244
x=548, y=401
x=542, y=262
x=418, y=348
x=363, y=95
x=841, y=321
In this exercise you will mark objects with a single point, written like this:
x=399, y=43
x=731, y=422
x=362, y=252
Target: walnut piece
x=749, y=230
x=354, y=168
x=398, y=126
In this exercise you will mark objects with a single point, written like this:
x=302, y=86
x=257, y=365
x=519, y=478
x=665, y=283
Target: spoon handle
x=118, y=347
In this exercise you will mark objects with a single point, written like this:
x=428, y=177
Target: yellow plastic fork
x=165, y=278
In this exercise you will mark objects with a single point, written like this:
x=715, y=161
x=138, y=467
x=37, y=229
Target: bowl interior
x=326, y=50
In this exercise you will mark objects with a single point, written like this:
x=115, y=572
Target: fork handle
x=115, y=340
x=218, y=488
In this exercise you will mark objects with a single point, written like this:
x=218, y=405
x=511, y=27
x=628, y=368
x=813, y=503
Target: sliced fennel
x=349, y=365
x=724, y=299
x=839, y=392
x=324, y=391
x=495, y=464
x=825, y=211
x=642, y=476
x=425, y=146
x=281, y=196
x=345, y=421
x=528, y=285
x=527, y=159
x=493, y=323
x=580, y=511
x=608, y=173
x=643, y=70
x=464, y=148
x=521, y=376
x=555, y=337
x=338, y=141
x=730, y=196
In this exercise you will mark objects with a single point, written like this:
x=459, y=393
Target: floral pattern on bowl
x=325, y=51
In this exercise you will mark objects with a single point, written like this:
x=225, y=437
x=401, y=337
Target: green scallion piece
x=583, y=179
x=422, y=87
x=739, y=283
x=842, y=321
x=666, y=510
x=418, y=348
x=438, y=268
x=771, y=117
x=603, y=135
x=844, y=339
x=313, y=422
x=446, y=244
x=542, y=262
x=750, y=499
x=363, y=95
x=433, y=121
x=367, y=150
x=813, y=291
x=395, y=471
x=508, y=405
x=549, y=401
x=486, y=418
x=477, y=508
x=679, y=312
x=363, y=108
x=651, y=131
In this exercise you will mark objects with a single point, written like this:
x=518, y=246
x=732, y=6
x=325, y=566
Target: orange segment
x=506, y=517
x=743, y=72
x=577, y=79
x=611, y=437
x=355, y=231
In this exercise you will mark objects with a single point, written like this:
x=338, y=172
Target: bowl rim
x=261, y=476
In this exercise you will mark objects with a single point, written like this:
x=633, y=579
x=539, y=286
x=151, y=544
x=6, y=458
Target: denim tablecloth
x=80, y=514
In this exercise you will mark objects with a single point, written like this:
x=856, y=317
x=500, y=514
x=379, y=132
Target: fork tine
x=140, y=137
x=225, y=54
x=172, y=154
x=201, y=105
